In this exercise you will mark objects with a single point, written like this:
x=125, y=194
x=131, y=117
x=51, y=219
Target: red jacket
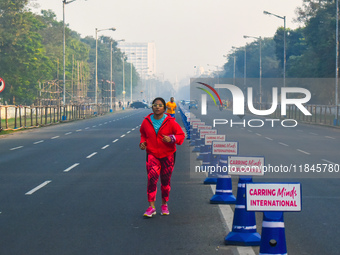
x=154, y=144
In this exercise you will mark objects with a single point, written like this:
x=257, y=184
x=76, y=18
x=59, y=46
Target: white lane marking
x=87, y=127
x=300, y=130
x=71, y=167
x=268, y=138
x=16, y=148
x=115, y=141
x=78, y=130
x=330, y=137
x=137, y=126
x=94, y=126
x=305, y=152
x=68, y=133
x=133, y=129
x=122, y=136
x=41, y=141
x=100, y=124
x=330, y=162
x=55, y=137
x=103, y=148
x=258, y=134
x=37, y=188
x=110, y=121
x=128, y=132
x=312, y=133
x=284, y=144
x=91, y=155
x=105, y=123
x=250, y=131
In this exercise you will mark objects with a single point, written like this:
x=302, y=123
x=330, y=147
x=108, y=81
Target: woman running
x=159, y=135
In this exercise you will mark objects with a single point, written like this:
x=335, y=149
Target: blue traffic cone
x=244, y=223
x=273, y=234
x=197, y=145
x=224, y=191
x=204, y=151
x=210, y=160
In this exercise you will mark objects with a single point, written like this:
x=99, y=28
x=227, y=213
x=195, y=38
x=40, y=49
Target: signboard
x=2, y=85
x=281, y=197
x=210, y=138
x=196, y=124
x=200, y=127
x=204, y=132
x=225, y=148
x=245, y=165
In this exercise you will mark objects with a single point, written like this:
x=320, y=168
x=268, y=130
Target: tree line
x=31, y=54
x=310, y=52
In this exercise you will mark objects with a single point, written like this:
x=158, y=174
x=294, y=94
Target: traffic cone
x=204, y=151
x=224, y=191
x=244, y=223
x=273, y=234
x=210, y=160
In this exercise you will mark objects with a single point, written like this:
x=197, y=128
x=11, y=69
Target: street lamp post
x=111, y=82
x=260, y=68
x=284, y=43
x=96, y=78
x=335, y=122
x=64, y=49
x=132, y=53
x=123, y=82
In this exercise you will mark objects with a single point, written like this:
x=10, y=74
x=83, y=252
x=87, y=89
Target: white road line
x=78, y=130
x=71, y=167
x=115, y=141
x=330, y=137
x=137, y=126
x=91, y=155
x=105, y=123
x=128, y=132
x=100, y=124
x=105, y=147
x=37, y=188
x=133, y=129
x=268, y=138
x=87, y=127
x=305, y=152
x=330, y=162
x=284, y=144
x=55, y=137
x=312, y=133
x=41, y=141
x=250, y=131
x=68, y=133
x=122, y=136
x=258, y=134
x=16, y=148
x=94, y=126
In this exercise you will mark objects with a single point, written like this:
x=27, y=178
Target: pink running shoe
x=150, y=212
x=165, y=210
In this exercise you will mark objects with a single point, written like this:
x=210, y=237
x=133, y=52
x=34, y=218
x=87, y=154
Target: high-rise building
x=142, y=56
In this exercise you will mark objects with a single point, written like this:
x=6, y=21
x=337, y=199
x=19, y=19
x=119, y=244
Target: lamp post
x=284, y=43
x=132, y=53
x=123, y=82
x=335, y=122
x=111, y=82
x=260, y=80
x=96, y=78
x=64, y=48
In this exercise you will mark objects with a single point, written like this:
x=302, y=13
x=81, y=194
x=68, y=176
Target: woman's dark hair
x=160, y=99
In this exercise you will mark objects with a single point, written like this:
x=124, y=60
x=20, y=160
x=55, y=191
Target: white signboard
x=194, y=120
x=281, y=197
x=245, y=165
x=200, y=127
x=196, y=124
x=225, y=148
x=204, y=132
x=210, y=138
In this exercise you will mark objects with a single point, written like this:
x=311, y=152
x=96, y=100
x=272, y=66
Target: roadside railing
x=14, y=117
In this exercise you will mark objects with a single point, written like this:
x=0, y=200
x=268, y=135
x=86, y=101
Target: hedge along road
x=80, y=188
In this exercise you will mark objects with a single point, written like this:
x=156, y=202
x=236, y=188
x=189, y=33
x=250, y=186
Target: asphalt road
x=80, y=188
x=315, y=230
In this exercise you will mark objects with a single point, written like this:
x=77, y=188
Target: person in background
x=171, y=107
x=159, y=135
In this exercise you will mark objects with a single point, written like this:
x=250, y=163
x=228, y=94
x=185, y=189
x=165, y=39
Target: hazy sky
x=187, y=33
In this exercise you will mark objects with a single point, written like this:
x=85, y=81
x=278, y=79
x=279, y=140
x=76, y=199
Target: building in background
x=142, y=56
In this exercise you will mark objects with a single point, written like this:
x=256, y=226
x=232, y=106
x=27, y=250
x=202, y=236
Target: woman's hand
x=166, y=139
x=142, y=146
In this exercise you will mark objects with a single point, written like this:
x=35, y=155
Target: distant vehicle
x=193, y=104
x=137, y=105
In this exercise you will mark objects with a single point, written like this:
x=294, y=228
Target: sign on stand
x=204, y=132
x=210, y=138
x=281, y=197
x=225, y=148
x=240, y=165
